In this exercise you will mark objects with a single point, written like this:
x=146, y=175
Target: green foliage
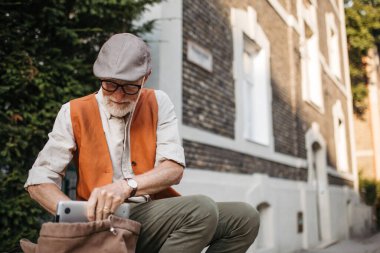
x=368, y=190
x=17, y=211
x=359, y=95
x=370, y=193
x=363, y=33
x=47, y=48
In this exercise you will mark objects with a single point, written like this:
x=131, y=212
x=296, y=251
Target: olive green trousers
x=190, y=223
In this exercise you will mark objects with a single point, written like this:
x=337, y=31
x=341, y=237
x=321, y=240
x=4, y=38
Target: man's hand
x=106, y=199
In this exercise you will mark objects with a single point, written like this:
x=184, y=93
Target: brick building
x=367, y=125
x=262, y=94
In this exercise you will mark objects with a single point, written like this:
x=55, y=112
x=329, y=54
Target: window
x=310, y=64
x=333, y=45
x=252, y=79
x=340, y=138
x=255, y=93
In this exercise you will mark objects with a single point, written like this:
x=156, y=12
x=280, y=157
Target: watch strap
x=134, y=189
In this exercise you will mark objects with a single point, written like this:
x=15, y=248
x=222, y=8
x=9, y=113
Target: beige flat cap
x=124, y=56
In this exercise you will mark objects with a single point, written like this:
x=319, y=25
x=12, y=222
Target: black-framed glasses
x=130, y=89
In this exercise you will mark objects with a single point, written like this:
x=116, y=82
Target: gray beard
x=117, y=110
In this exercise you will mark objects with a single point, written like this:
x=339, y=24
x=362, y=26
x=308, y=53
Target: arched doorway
x=315, y=181
x=317, y=178
x=264, y=239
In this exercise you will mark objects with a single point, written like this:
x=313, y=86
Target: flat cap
x=124, y=56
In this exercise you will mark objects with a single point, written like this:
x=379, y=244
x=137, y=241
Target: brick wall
x=365, y=142
x=323, y=8
x=208, y=98
x=340, y=181
x=283, y=95
x=207, y=157
x=292, y=116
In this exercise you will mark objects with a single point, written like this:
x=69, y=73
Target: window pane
x=342, y=148
x=247, y=63
x=256, y=71
x=260, y=100
x=313, y=72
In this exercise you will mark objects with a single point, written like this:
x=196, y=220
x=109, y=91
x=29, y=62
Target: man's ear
x=148, y=75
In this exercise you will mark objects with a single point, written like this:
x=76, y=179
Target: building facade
x=367, y=126
x=263, y=100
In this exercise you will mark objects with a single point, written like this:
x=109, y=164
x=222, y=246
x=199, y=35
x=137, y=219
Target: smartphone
x=76, y=211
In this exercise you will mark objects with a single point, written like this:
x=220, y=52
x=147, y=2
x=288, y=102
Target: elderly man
x=124, y=141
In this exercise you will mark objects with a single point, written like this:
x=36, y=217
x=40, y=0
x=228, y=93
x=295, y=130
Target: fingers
x=101, y=204
x=104, y=201
x=107, y=209
x=116, y=202
x=113, y=202
x=91, y=205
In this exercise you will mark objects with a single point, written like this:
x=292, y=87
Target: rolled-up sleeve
x=57, y=153
x=168, y=141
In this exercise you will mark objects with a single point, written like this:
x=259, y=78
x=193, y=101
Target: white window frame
x=332, y=33
x=253, y=91
x=340, y=136
x=312, y=91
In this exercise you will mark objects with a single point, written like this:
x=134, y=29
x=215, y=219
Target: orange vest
x=92, y=158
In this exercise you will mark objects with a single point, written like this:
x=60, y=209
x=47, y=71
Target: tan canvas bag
x=111, y=235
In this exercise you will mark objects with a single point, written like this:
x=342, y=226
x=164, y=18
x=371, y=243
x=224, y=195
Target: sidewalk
x=363, y=245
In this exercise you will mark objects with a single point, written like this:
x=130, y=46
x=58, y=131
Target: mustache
x=109, y=99
x=120, y=102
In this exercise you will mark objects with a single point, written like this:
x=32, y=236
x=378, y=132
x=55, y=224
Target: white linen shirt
x=53, y=159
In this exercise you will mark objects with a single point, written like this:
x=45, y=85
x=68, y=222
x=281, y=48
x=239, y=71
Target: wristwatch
x=133, y=184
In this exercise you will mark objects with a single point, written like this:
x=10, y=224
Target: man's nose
x=119, y=93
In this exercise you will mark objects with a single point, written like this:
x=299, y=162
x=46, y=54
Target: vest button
x=134, y=163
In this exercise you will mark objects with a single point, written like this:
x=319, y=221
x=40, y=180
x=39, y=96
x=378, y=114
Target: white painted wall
x=285, y=199
x=362, y=223
x=310, y=239
x=338, y=197
x=165, y=42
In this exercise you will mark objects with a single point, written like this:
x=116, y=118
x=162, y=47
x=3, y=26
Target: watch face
x=132, y=183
